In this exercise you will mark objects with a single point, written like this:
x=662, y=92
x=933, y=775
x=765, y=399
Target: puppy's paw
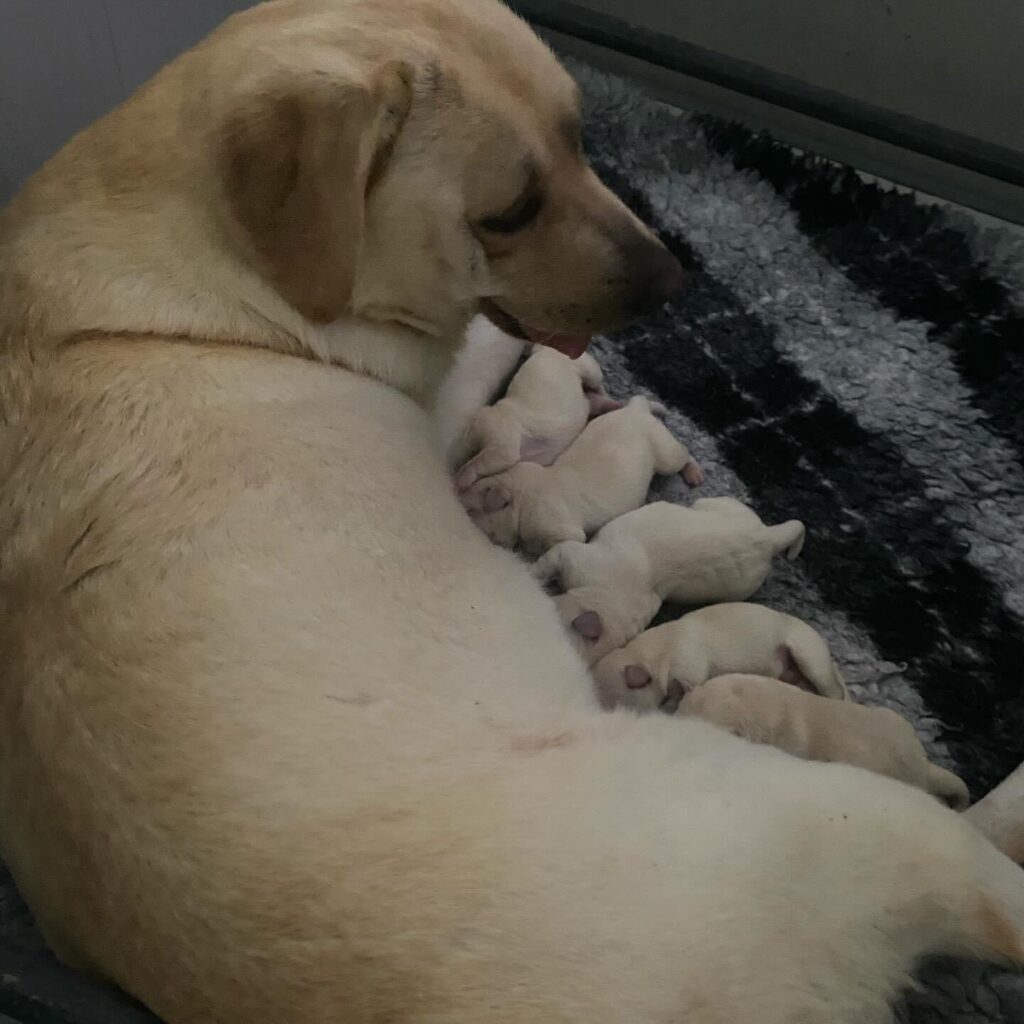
x=600, y=403
x=693, y=474
x=466, y=476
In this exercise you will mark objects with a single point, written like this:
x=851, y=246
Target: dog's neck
x=390, y=351
x=117, y=283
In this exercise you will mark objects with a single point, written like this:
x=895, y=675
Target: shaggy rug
x=844, y=355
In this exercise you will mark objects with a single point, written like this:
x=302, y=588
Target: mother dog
x=282, y=737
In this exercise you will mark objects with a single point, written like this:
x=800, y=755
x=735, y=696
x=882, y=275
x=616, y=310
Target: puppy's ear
x=637, y=677
x=297, y=162
x=589, y=626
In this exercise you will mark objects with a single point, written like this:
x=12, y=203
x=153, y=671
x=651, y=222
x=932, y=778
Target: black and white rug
x=844, y=355
x=849, y=356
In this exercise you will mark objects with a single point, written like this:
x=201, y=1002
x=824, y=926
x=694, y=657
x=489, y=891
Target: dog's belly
x=260, y=664
x=282, y=738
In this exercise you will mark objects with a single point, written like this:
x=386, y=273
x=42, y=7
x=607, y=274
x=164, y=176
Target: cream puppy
x=545, y=409
x=805, y=725
x=666, y=662
x=716, y=550
x=480, y=373
x=605, y=472
x=600, y=619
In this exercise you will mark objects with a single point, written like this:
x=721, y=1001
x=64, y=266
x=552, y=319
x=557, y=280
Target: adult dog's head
x=415, y=161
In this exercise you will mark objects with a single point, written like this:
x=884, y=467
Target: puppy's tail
x=788, y=537
x=808, y=662
x=949, y=788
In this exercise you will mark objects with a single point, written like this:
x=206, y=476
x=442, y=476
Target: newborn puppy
x=480, y=375
x=599, y=619
x=716, y=550
x=666, y=662
x=605, y=472
x=805, y=725
x=545, y=408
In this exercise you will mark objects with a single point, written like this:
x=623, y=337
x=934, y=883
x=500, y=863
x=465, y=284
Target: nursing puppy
x=605, y=472
x=229, y=782
x=545, y=409
x=600, y=619
x=664, y=663
x=768, y=711
x=481, y=371
x=716, y=550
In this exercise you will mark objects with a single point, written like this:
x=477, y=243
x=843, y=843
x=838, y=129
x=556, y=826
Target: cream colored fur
x=282, y=736
x=662, y=664
x=1000, y=815
x=486, y=362
x=716, y=550
x=806, y=725
x=606, y=472
x=545, y=409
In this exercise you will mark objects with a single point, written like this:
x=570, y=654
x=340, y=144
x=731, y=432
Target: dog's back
x=281, y=736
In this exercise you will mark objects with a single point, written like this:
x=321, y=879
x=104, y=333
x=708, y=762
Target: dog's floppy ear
x=297, y=161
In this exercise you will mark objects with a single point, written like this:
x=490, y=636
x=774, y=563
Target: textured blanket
x=848, y=356
x=843, y=355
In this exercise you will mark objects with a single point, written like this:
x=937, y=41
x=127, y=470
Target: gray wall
x=955, y=63
x=65, y=62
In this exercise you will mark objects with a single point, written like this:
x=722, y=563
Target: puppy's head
x=415, y=161
x=624, y=679
x=600, y=619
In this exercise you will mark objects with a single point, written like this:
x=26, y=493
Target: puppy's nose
x=656, y=276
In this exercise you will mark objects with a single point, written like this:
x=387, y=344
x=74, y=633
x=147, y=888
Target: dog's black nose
x=656, y=276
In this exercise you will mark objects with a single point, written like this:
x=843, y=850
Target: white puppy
x=664, y=663
x=545, y=409
x=481, y=372
x=600, y=619
x=605, y=472
x=717, y=550
x=805, y=725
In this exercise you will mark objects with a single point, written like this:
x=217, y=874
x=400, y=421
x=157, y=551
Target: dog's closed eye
x=518, y=215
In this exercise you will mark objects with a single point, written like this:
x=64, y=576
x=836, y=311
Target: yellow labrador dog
x=282, y=736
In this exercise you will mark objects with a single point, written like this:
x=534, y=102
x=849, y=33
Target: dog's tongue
x=571, y=345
